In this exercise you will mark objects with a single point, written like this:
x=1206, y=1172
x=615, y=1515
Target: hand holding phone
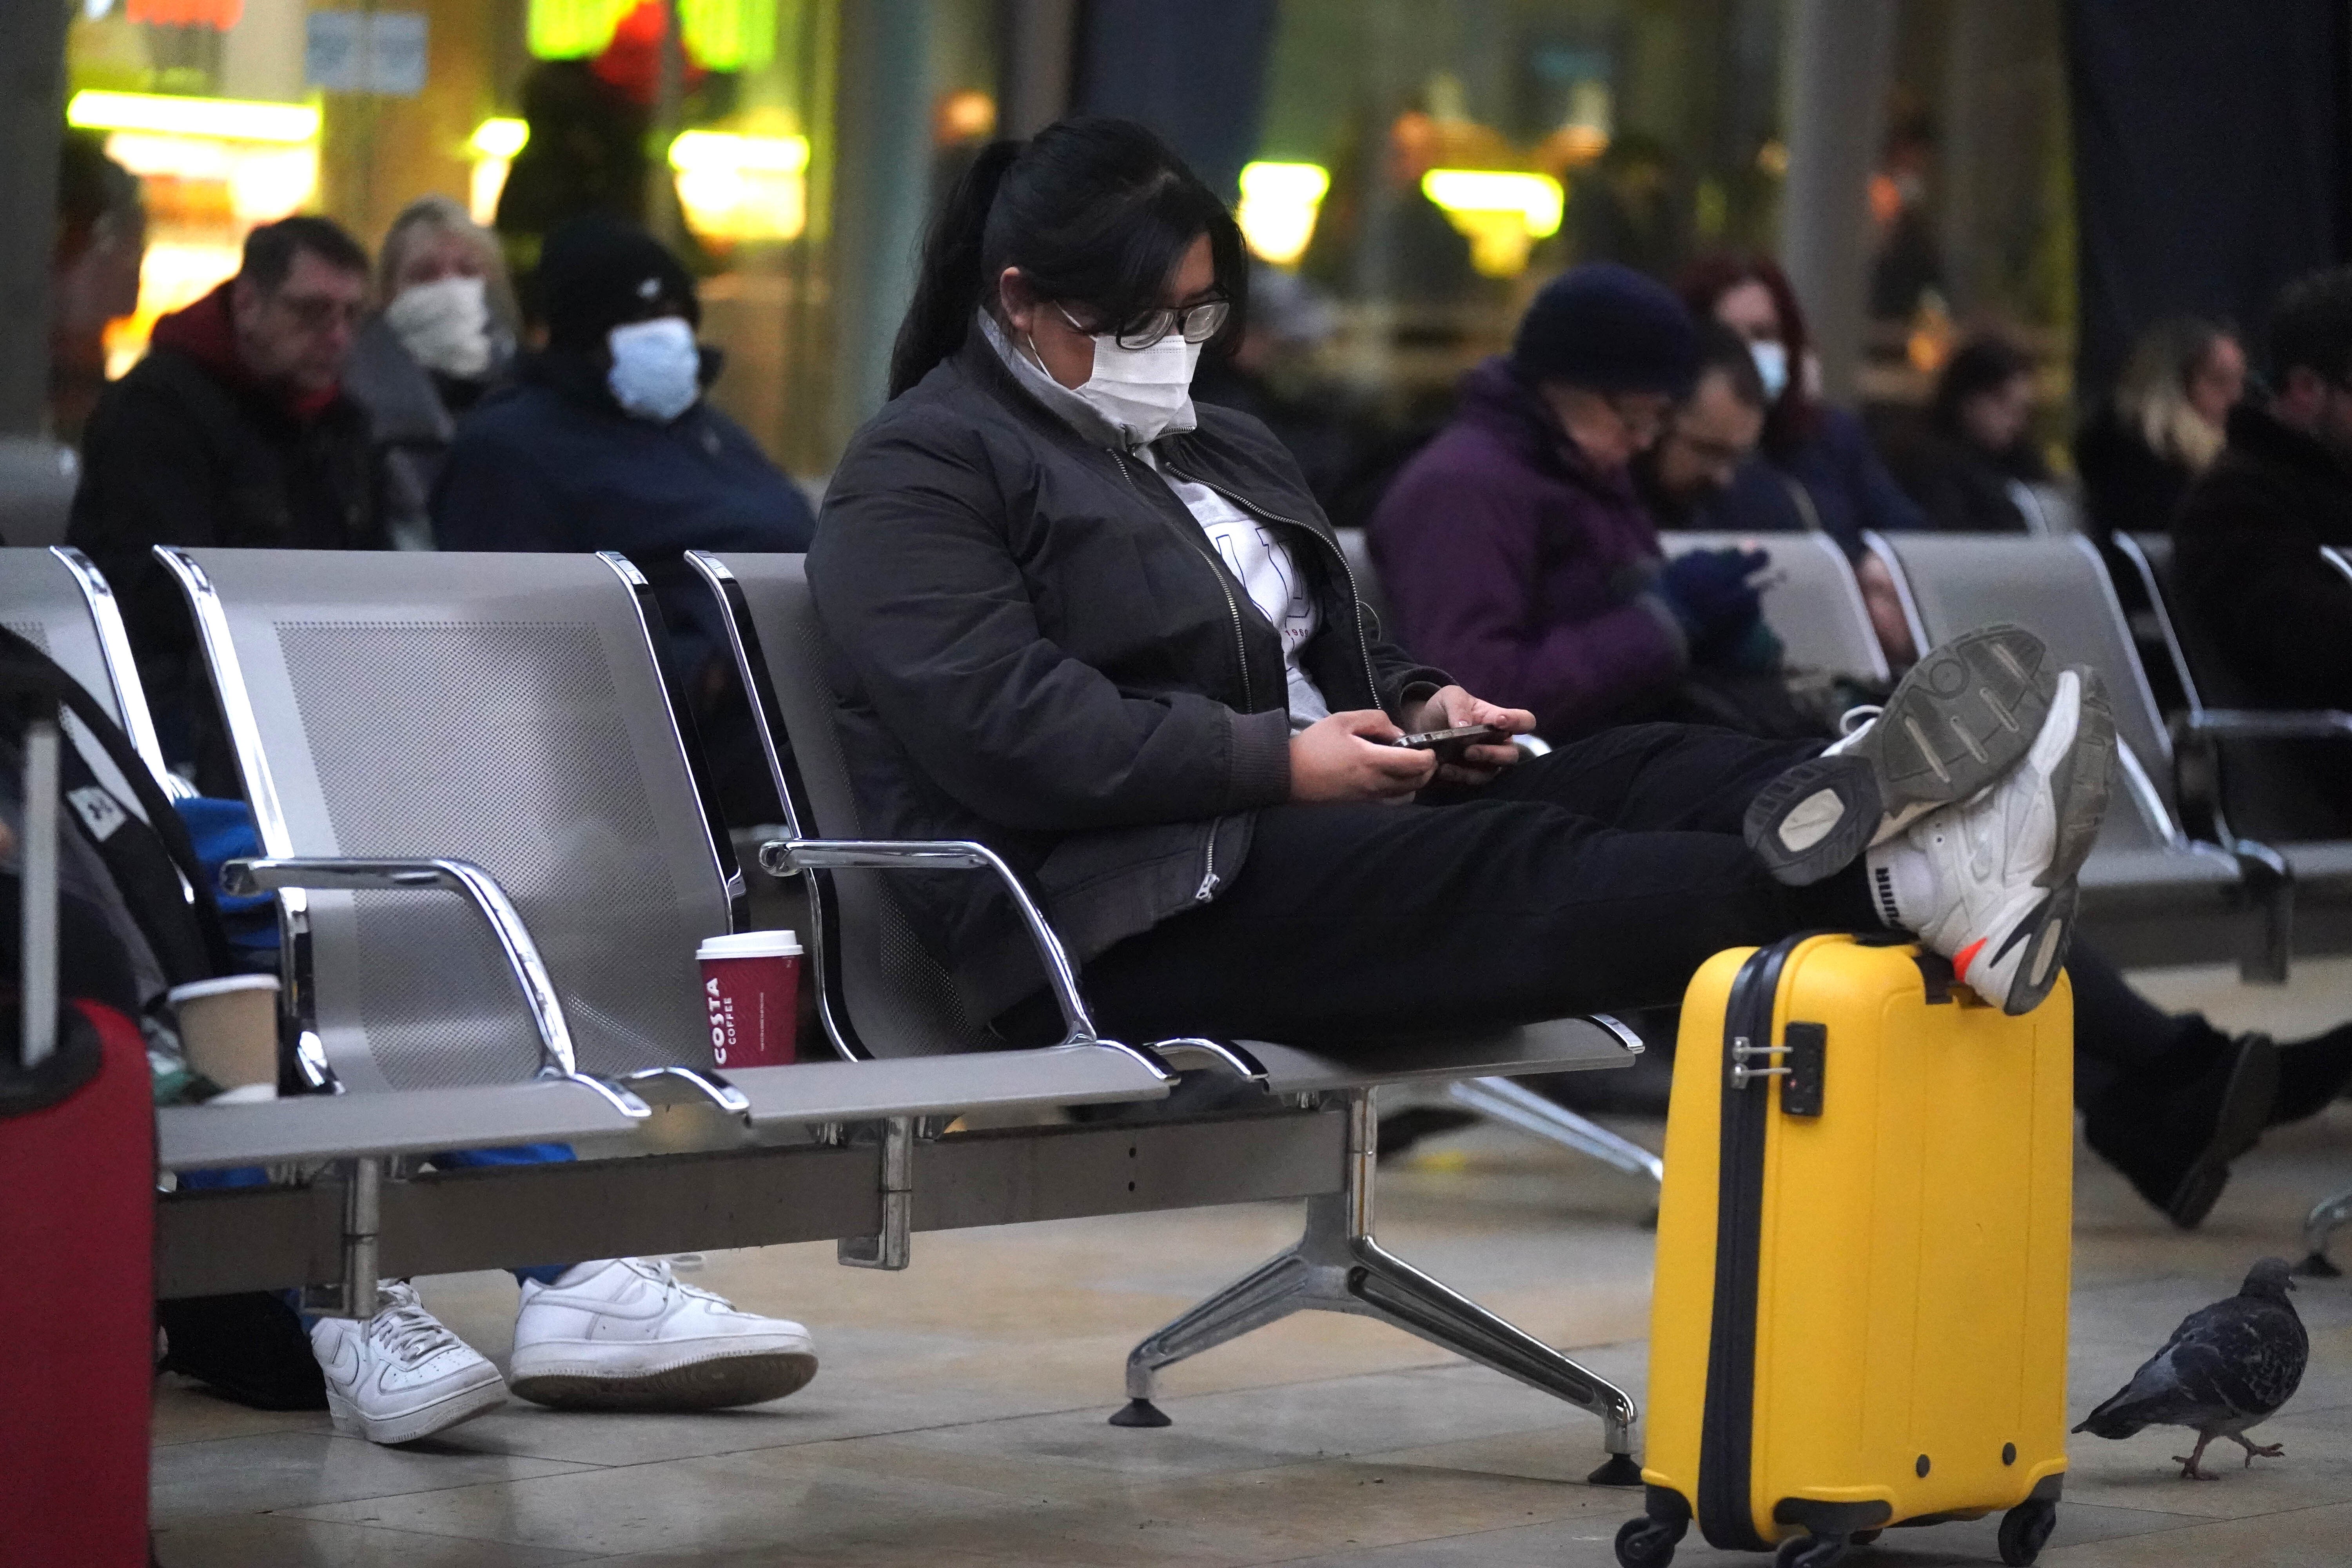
x=1449, y=745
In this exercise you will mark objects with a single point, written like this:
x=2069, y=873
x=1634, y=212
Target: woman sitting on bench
x=1109, y=634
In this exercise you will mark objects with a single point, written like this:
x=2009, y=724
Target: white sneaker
x=1990, y=883
x=623, y=1334
x=1959, y=721
x=401, y=1376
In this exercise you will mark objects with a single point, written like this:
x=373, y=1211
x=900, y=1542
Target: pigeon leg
x=2189, y=1470
x=2266, y=1450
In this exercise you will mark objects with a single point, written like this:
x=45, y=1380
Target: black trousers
x=1594, y=880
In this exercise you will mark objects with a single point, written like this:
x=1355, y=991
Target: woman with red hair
x=1814, y=469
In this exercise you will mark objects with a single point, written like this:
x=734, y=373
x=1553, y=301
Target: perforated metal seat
x=2254, y=760
x=2151, y=895
x=1812, y=601
x=500, y=711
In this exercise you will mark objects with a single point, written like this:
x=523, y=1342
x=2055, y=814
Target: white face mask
x=657, y=369
x=444, y=325
x=1773, y=366
x=1144, y=392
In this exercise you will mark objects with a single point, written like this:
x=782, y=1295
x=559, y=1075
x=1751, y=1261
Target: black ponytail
x=948, y=283
x=1094, y=210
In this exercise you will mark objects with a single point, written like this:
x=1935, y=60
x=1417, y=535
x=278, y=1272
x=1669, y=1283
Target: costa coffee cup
x=751, y=997
x=229, y=1029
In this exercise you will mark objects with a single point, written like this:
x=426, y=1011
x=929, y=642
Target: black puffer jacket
x=1034, y=645
x=2247, y=541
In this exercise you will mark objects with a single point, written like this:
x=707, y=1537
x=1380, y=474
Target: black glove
x=1710, y=594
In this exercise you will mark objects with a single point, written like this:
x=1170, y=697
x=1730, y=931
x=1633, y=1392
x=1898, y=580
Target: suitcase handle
x=37, y=906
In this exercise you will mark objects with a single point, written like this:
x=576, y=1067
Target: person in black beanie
x=1514, y=547
x=606, y=442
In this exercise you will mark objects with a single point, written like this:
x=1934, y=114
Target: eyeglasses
x=1197, y=324
x=315, y=312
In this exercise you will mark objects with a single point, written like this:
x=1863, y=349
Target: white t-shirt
x=1264, y=566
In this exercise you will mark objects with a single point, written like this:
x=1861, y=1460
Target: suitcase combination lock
x=1798, y=1061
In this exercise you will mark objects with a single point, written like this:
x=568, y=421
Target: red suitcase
x=76, y=1225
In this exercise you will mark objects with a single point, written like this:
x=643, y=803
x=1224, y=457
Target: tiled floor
x=959, y=1418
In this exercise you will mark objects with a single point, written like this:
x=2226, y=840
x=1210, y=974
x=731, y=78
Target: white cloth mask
x=1146, y=392
x=444, y=325
x=1772, y=366
x=656, y=369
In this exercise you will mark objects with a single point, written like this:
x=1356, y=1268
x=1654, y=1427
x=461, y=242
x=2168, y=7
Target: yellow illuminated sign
x=1278, y=206
x=229, y=119
x=498, y=138
x=1500, y=212
x=735, y=187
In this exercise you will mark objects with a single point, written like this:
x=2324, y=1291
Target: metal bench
x=2239, y=766
x=882, y=995
x=2151, y=893
x=494, y=865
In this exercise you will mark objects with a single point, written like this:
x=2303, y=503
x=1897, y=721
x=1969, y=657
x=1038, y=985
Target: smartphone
x=1449, y=745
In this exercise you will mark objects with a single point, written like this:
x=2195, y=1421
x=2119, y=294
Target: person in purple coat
x=1515, y=549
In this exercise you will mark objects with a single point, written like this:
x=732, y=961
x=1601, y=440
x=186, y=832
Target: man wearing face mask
x=605, y=442
x=443, y=339
x=1514, y=547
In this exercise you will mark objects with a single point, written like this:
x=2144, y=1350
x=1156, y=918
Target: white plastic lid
x=221, y=987
x=752, y=944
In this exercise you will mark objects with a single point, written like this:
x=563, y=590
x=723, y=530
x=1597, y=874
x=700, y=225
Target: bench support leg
x=2324, y=1218
x=1338, y=1267
x=1513, y=1103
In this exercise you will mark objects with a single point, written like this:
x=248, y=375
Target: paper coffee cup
x=751, y=998
x=229, y=1029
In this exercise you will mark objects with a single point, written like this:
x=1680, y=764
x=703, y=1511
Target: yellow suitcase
x=1863, y=1245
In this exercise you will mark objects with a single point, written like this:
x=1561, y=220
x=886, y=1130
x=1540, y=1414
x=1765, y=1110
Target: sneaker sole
x=2083, y=781
x=2046, y=931
x=1961, y=718
x=2245, y=1109
x=713, y=1384
x=409, y=1425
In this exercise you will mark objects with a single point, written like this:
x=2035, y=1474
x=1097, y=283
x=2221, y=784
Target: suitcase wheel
x=2025, y=1529
x=1810, y=1552
x=1648, y=1543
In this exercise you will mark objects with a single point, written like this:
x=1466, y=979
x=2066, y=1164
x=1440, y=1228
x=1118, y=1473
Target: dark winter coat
x=2247, y=541
x=2126, y=485
x=1511, y=560
x=1831, y=482
x=1034, y=645
x=188, y=449
x=553, y=463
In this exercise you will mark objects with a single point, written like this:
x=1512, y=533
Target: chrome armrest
x=783, y=856
x=557, y=1057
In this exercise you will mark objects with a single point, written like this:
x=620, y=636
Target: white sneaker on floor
x=401, y=1375
x=1989, y=882
x=624, y=1333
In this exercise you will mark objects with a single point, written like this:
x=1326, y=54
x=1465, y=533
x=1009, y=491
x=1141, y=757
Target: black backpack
x=249, y=1346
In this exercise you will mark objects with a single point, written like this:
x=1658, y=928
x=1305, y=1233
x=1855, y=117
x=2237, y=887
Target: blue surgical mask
x=656, y=371
x=1773, y=366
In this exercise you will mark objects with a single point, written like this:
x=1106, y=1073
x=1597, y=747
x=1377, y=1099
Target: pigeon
x=2226, y=1367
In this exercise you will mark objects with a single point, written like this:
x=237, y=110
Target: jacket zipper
x=1232, y=611
x=1208, y=888
x=1348, y=572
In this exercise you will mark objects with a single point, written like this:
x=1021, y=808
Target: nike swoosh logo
x=2032, y=918
x=638, y=1309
